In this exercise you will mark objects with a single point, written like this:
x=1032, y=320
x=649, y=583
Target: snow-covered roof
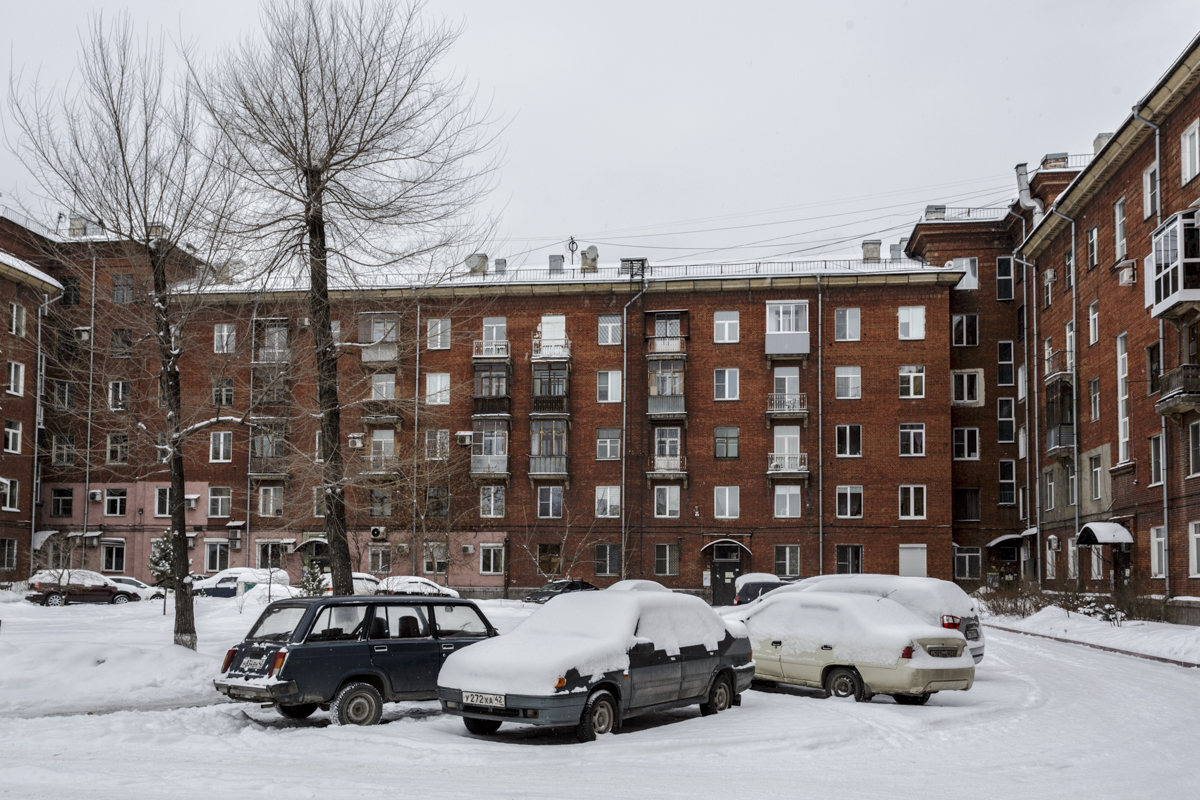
x=26, y=272
x=1104, y=533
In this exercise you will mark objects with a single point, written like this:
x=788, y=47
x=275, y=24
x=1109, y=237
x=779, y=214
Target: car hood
x=531, y=664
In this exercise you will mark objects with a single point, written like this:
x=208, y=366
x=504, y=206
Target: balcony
x=550, y=404
x=787, y=406
x=270, y=385
x=551, y=349
x=667, y=406
x=491, y=405
x=379, y=462
x=1060, y=439
x=1179, y=390
x=1173, y=270
x=490, y=466
x=491, y=349
x=381, y=409
x=379, y=353
x=787, y=465
x=667, y=468
x=963, y=214
x=548, y=466
x=666, y=347
x=268, y=465
x=787, y=345
x=1059, y=366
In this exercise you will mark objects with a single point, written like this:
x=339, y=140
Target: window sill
x=912, y=455
x=840, y=455
x=1153, y=485
x=919, y=519
x=726, y=399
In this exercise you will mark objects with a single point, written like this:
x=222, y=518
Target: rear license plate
x=480, y=699
x=253, y=663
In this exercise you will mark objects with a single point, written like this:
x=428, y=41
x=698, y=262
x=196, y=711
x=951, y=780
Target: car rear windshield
x=554, y=586
x=276, y=624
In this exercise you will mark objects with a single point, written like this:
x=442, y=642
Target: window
x=912, y=502
x=1119, y=229
x=967, y=562
x=787, y=560
x=849, y=502
x=162, y=501
x=1194, y=549
x=1158, y=551
x=12, y=436
x=437, y=444
x=62, y=449
x=381, y=559
x=437, y=502
x=1123, y=398
x=608, y=502
x=549, y=558
x=1072, y=486
x=491, y=502
x=548, y=437
x=438, y=334
x=64, y=395
x=70, y=295
x=220, y=501
x=8, y=554
x=114, y=502
x=849, y=559
x=1069, y=266
x=120, y=344
x=1051, y=556
x=549, y=502
x=1073, y=558
x=787, y=502
x=1153, y=368
x=966, y=386
x=319, y=504
x=1021, y=324
x=1021, y=382
x=122, y=289
x=970, y=268
x=270, y=501
x=1094, y=469
x=609, y=329
x=1097, y=562
x=224, y=337
x=437, y=388
x=966, y=444
x=16, y=379
x=666, y=502
x=608, y=559
x=1004, y=278
x=220, y=446
x=222, y=391
x=1094, y=322
x=383, y=386
x=848, y=383
x=62, y=502
x=726, y=327
x=665, y=378
x=1004, y=357
x=966, y=330
x=1049, y=498
x=1006, y=420
x=1189, y=151
x=1022, y=442
x=725, y=384
x=725, y=442
x=491, y=559
x=912, y=439
x=725, y=502
x=912, y=382
x=1156, y=460
x=491, y=380
x=9, y=494
x=1149, y=192
x=380, y=503
x=608, y=387
x=966, y=505
x=787, y=318
x=117, y=451
x=112, y=555
x=608, y=444
x=1008, y=482
x=1194, y=448
x=849, y=441
x=846, y=326
x=666, y=559
x=437, y=558
x=118, y=396
x=912, y=322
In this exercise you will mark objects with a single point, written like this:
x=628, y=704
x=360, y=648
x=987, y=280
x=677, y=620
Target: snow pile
x=263, y=593
x=414, y=584
x=11, y=596
x=754, y=577
x=506, y=614
x=1160, y=639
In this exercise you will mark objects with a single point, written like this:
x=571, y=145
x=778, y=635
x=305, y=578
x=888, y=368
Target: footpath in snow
x=1157, y=639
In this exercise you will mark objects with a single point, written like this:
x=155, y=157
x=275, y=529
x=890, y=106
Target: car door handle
x=447, y=647
x=381, y=648
x=777, y=643
x=826, y=647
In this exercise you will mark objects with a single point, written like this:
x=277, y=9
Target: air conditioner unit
x=355, y=441
x=235, y=544
x=1053, y=544
x=191, y=501
x=305, y=322
x=83, y=334
x=468, y=549
x=191, y=542
x=1049, y=276
x=464, y=438
x=378, y=532
x=1127, y=276
x=95, y=495
x=402, y=548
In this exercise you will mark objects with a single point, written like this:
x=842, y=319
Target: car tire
x=845, y=682
x=356, y=704
x=912, y=699
x=120, y=599
x=54, y=600
x=720, y=697
x=481, y=727
x=599, y=717
x=301, y=711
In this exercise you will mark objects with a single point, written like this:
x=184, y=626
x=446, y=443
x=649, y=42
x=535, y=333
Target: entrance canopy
x=1008, y=537
x=1104, y=533
x=40, y=537
x=1029, y=532
x=725, y=541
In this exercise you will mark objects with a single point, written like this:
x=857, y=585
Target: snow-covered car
x=363, y=583
x=637, y=585
x=753, y=585
x=555, y=588
x=143, y=590
x=349, y=654
x=225, y=583
x=940, y=603
x=590, y=660
x=413, y=584
x=854, y=645
x=57, y=587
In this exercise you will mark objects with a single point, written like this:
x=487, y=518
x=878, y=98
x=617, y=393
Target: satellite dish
x=949, y=264
x=592, y=252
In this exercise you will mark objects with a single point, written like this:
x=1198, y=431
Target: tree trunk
x=333, y=471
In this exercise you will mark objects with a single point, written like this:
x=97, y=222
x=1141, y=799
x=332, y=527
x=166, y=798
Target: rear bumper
x=742, y=677
x=977, y=653
x=909, y=680
x=238, y=690
x=559, y=710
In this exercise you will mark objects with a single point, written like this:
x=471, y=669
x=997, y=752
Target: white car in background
x=145, y=591
x=413, y=584
x=363, y=583
x=225, y=583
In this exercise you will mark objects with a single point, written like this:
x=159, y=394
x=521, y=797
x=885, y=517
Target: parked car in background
x=591, y=660
x=555, y=588
x=637, y=585
x=754, y=585
x=225, y=583
x=144, y=591
x=58, y=587
x=363, y=582
x=349, y=654
x=854, y=645
x=413, y=584
x=939, y=603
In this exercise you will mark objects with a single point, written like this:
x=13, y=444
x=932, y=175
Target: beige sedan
x=854, y=646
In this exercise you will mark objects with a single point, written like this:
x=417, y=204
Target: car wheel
x=912, y=699
x=481, y=727
x=356, y=704
x=119, y=599
x=54, y=600
x=720, y=697
x=844, y=682
x=302, y=711
x=599, y=717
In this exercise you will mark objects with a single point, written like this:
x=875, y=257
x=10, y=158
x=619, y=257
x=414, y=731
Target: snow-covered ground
x=1044, y=720
x=1160, y=639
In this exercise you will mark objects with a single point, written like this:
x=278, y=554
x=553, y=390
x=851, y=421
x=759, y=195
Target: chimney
x=500, y=265
x=895, y=252
x=903, y=247
x=556, y=264
x=477, y=263
x=1099, y=142
x=871, y=251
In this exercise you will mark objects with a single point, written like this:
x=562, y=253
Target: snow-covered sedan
x=363, y=583
x=144, y=591
x=225, y=583
x=854, y=645
x=57, y=587
x=589, y=660
x=413, y=584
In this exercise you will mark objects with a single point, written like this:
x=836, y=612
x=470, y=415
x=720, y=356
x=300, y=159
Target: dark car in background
x=555, y=588
x=755, y=585
x=61, y=586
x=349, y=655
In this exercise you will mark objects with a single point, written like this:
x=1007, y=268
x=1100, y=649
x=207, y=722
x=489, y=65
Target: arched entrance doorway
x=726, y=559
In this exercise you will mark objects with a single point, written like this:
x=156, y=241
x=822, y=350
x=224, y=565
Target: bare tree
x=554, y=547
x=364, y=161
x=126, y=150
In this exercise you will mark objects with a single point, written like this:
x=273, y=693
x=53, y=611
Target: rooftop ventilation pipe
x=870, y=250
x=1026, y=200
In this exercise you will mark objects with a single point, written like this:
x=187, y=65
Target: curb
x=1160, y=659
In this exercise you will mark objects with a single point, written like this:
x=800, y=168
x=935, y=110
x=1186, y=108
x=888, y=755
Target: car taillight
x=228, y=659
x=277, y=662
x=907, y=652
x=950, y=621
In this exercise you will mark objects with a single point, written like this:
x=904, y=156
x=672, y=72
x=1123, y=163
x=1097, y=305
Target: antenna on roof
x=572, y=245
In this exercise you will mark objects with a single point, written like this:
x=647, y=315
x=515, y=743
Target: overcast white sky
x=715, y=131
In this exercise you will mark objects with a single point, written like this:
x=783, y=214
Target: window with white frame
x=1119, y=229
x=787, y=318
x=437, y=388
x=608, y=444
x=849, y=502
x=608, y=559
x=437, y=444
x=437, y=559
x=966, y=444
x=438, y=334
x=1194, y=549
x=912, y=438
x=1150, y=191
x=224, y=337
x=1004, y=278
x=550, y=502
x=8, y=555
x=1008, y=482
x=1093, y=247
x=1123, y=398
x=117, y=448
x=912, y=322
x=912, y=382
x=966, y=330
x=970, y=268
x=1094, y=398
x=16, y=379
x=725, y=502
x=62, y=449
x=380, y=559
x=608, y=502
x=966, y=387
x=270, y=501
x=319, y=502
x=1158, y=552
x=1189, y=151
x=1022, y=442
x=1097, y=562
x=1095, y=475
x=112, y=556
x=491, y=502
x=848, y=383
x=666, y=559
x=725, y=384
x=1194, y=449
x=726, y=442
x=608, y=386
x=1048, y=500
x=491, y=559
x=787, y=502
x=1021, y=384
x=12, y=436
x=1006, y=420
x=16, y=319
x=216, y=556
x=383, y=386
x=849, y=441
x=115, y=502
x=666, y=502
x=10, y=493
x=846, y=325
x=1094, y=322
x=912, y=502
x=1156, y=460
x=1073, y=558
x=220, y=501
x=118, y=396
x=726, y=327
x=967, y=563
x=1051, y=557
x=608, y=329
x=220, y=446
x=162, y=501
x=787, y=560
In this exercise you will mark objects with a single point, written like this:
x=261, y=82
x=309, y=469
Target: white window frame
x=1189, y=153
x=224, y=502
x=1051, y=558
x=790, y=560
x=670, y=495
x=780, y=323
x=727, y=502
x=911, y=322
x=16, y=319
x=267, y=496
x=910, y=493
x=487, y=501
x=970, y=278
x=1149, y=189
x=788, y=492
x=108, y=551
x=16, y=379
x=383, y=386
x=116, y=505
x=1094, y=322
x=608, y=502
x=1194, y=449
x=546, y=496
x=610, y=453
x=963, y=379
x=1050, y=491
x=848, y=492
x=912, y=378
x=1096, y=562
x=847, y=325
x=224, y=337
x=843, y=441
x=726, y=384
x=1125, y=450
x=1194, y=549
x=118, y=395
x=608, y=386
x=1093, y=246
x=911, y=428
x=608, y=326
x=11, y=494
x=1094, y=468
x=668, y=555
x=1007, y=483
x=970, y=325
x=1006, y=416
x=12, y=435
x=1008, y=280
x=162, y=501
x=1158, y=551
x=1119, y=242
x=220, y=447
x=1157, y=472
x=437, y=388
x=726, y=327
x=1073, y=558
x=491, y=559
x=437, y=334
x=853, y=383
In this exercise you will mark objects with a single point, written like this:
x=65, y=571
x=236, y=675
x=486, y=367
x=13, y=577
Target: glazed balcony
x=551, y=349
x=1060, y=439
x=548, y=466
x=787, y=406
x=1179, y=390
x=666, y=407
x=489, y=466
x=1172, y=279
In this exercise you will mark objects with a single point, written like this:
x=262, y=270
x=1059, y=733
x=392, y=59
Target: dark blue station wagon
x=349, y=655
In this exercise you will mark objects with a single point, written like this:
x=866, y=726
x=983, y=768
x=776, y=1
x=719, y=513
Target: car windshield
x=554, y=586
x=276, y=624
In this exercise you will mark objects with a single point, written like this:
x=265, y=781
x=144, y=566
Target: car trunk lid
x=253, y=659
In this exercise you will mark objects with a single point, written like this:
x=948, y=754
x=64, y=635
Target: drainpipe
x=1025, y=363
x=1074, y=373
x=624, y=409
x=820, y=437
x=417, y=439
x=87, y=462
x=1033, y=450
x=36, y=489
x=1026, y=200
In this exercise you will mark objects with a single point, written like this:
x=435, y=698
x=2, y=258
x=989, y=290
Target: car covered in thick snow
x=349, y=655
x=413, y=584
x=555, y=588
x=57, y=587
x=854, y=645
x=590, y=660
x=753, y=585
x=225, y=583
x=363, y=583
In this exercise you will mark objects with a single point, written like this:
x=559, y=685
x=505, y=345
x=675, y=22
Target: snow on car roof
x=755, y=577
x=929, y=598
x=633, y=585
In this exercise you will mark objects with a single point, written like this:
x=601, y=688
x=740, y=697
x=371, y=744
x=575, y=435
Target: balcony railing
x=787, y=345
x=668, y=404
x=381, y=407
x=1065, y=161
x=782, y=404
x=489, y=465
x=787, y=462
x=1059, y=437
x=491, y=348
x=551, y=404
x=379, y=462
x=491, y=405
x=383, y=351
x=1059, y=365
x=666, y=346
x=551, y=349
x=547, y=465
x=949, y=214
x=1179, y=390
x=668, y=464
x=268, y=465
